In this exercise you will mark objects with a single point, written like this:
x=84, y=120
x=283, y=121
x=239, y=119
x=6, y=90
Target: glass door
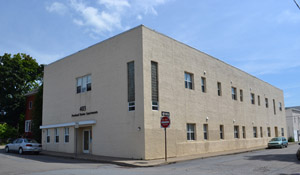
x=86, y=141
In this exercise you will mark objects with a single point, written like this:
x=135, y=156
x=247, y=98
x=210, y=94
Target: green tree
x=37, y=115
x=19, y=74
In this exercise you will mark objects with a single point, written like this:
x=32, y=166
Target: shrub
x=7, y=131
x=291, y=139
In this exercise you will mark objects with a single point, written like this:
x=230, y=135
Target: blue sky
x=261, y=37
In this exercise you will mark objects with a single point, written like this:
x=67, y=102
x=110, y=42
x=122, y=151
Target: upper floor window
x=233, y=93
x=267, y=102
x=203, y=84
x=131, y=86
x=84, y=84
x=30, y=105
x=154, y=85
x=241, y=95
x=252, y=98
x=274, y=106
x=258, y=100
x=280, y=106
x=188, y=80
x=28, y=126
x=219, y=86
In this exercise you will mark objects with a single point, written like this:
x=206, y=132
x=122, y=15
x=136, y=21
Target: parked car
x=278, y=142
x=298, y=153
x=22, y=145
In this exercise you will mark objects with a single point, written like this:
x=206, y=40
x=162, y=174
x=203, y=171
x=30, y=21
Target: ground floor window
x=269, y=131
x=236, y=132
x=244, y=132
x=261, y=132
x=205, y=131
x=190, y=128
x=221, y=132
x=28, y=126
x=255, y=132
x=282, y=132
x=56, y=131
x=48, y=135
x=66, y=135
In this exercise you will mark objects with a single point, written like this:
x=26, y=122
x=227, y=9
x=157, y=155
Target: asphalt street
x=269, y=161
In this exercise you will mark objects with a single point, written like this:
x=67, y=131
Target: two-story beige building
x=107, y=100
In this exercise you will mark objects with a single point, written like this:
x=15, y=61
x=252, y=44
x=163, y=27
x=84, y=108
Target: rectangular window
x=190, y=128
x=30, y=105
x=219, y=86
x=236, y=132
x=131, y=86
x=261, y=132
x=154, y=85
x=269, y=131
x=258, y=100
x=274, y=107
x=282, y=132
x=255, y=132
x=241, y=95
x=244, y=132
x=28, y=126
x=48, y=135
x=267, y=102
x=221, y=131
x=66, y=135
x=203, y=84
x=252, y=96
x=56, y=132
x=188, y=80
x=205, y=131
x=233, y=93
x=280, y=106
x=84, y=84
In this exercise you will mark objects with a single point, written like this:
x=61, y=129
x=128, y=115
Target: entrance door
x=86, y=141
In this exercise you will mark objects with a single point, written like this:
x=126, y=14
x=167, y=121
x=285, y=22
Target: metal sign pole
x=165, y=144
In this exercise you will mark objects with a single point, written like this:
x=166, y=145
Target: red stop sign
x=165, y=122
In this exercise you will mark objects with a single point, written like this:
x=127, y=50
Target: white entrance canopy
x=79, y=123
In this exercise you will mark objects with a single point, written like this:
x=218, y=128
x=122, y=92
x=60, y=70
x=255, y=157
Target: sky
x=260, y=37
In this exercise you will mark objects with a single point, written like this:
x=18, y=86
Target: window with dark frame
x=274, y=106
x=255, y=132
x=190, y=128
x=219, y=86
x=233, y=93
x=131, y=86
x=203, y=84
x=205, y=131
x=221, y=131
x=267, y=102
x=241, y=95
x=244, y=131
x=252, y=96
x=258, y=100
x=154, y=85
x=236, y=132
x=188, y=80
x=280, y=106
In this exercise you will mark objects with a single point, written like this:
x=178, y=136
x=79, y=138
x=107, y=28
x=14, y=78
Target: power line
x=297, y=4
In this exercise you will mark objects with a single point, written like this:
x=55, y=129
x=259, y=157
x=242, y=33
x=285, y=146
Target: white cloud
x=57, y=7
x=105, y=15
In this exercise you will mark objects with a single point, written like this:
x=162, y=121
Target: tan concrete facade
x=117, y=132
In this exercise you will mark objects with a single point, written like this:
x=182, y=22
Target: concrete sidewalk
x=145, y=163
